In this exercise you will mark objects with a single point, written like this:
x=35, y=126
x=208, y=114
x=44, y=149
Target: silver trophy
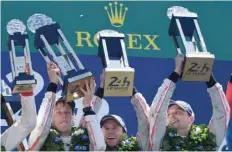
x=21, y=66
x=119, y=79
x=199, y=62
x=48, y=35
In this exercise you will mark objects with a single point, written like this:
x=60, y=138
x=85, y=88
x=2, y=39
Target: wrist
x=52, y=87
x=54, y=81
x=86, y=105
x=174, y=77
x=101, y=85
x=211, y=82
x=86, y=102
x=100, y=92
x=88, y=111
x=178, y=71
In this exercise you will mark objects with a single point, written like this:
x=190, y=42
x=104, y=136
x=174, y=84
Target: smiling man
x=180, y=116
x=179, y=133
x=113, y=127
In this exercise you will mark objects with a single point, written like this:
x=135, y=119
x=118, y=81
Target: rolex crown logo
x=116, y=14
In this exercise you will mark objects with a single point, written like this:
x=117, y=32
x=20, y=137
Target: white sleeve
x=158, y=112
x=221, y=113
x=44, y=121
x=142, y=110
x=21, y=128
x=96, y=104
x=97, y=142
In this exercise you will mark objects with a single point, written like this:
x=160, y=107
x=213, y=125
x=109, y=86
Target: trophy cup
x=48, y=35
x=21, y=66
x=8, y=114
x=119, y=78
x=199, y=62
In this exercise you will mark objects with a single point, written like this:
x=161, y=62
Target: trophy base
x=198, y=66
x=119, y=81
x=24, y=83
x=74, y=82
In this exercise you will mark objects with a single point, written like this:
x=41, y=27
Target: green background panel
x=142, y=18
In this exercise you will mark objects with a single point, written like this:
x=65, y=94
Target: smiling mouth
x=174, y=121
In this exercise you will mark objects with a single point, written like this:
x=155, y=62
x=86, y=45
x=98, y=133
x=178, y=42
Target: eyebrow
x=178, y=110
x=59, y=108
x=108, y=125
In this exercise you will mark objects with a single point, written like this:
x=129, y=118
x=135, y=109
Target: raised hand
x=88, y=93
x=179, y=60
x=53, y=72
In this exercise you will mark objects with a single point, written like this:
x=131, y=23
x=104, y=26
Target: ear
x=192, y=118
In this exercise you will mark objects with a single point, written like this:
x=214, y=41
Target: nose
x=64, y=115
x=171, y=115
x=110, y=131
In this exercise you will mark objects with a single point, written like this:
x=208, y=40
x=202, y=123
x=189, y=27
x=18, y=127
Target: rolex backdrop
x=150, y=48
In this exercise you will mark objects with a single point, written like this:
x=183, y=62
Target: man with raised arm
x=55, y=131
x=179, y=132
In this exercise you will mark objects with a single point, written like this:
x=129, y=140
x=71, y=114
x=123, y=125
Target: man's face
x=112, y=132
x=62, y=118
x=178, y=118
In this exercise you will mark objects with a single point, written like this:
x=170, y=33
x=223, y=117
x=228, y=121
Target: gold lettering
x=134, y=41
x=95, y=40
x=83, y=36
x=150, y=39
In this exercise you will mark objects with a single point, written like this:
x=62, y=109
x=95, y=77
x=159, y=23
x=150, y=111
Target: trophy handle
x=49, y=48
x=191, y=44
x=125, y=59
x=176, y=44
x=60, y=48
x=70, y=49
x=47, y=60
x=181, y=32
x=51, y=52
x=105, y=52
x=202, y=42
x=28, y=56
x=12, y=58
x=195, y=44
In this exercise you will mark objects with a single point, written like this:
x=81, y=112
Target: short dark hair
x=63, y=101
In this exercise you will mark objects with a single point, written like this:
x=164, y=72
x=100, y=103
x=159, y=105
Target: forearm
x=97, y=142
x=39, y=134
x=97, y=102
x=29, y=115
x=158, y=111
x=142, y=112
x=221, y=111
x=21, y=128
